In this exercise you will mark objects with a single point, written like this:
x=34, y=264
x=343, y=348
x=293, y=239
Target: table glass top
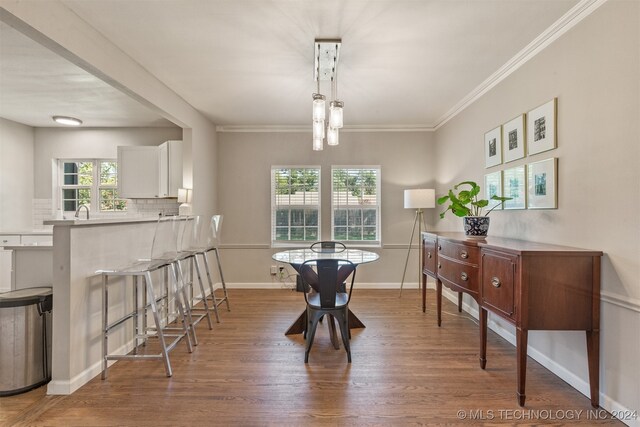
x=298, y=256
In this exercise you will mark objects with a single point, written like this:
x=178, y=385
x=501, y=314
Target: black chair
x=328, y=246
x=328, y=298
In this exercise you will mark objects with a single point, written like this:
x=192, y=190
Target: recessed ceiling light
x=67, y=121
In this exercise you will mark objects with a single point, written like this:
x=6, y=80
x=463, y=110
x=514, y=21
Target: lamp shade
x=419, y=198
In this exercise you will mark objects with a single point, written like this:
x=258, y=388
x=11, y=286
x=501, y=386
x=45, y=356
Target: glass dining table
x=296, y=257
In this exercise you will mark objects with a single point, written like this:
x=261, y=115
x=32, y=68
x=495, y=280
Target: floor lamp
x=417, y=199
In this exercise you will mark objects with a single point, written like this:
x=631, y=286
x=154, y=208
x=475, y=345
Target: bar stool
x=187, y=252
x=165, y=248
x=208, y=239
x=144, y=269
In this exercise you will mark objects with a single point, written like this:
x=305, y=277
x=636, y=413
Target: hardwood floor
x=405, y=371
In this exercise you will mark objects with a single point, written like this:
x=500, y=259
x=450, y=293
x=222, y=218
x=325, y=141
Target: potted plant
x=467, y=205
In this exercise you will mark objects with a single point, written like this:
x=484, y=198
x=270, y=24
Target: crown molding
x=307, y=128
x=565, y=23
x=570, y=19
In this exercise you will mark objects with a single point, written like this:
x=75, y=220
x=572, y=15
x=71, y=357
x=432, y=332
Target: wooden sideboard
x=534, y=286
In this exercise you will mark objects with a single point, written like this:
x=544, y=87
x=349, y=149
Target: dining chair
x=328, y=299
x=328, y=246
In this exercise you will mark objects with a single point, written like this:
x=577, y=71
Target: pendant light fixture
x=327, y=53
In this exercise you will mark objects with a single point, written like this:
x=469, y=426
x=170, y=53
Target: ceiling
x=250, y=62
x=36, y=84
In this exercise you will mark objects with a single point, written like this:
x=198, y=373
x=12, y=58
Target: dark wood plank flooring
x=405, y=371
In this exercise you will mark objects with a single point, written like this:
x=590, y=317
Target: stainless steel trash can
x=25, y=339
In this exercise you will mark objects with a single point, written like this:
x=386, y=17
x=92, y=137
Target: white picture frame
x=493, y=187
x=493, y=147
x=541, y=128
x=513, y=138
x=542, y=184
x=515, y=186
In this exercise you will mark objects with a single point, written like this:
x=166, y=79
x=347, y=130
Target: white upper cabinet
x=149, y=172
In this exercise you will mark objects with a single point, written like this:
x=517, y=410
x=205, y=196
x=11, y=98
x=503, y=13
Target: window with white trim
x=90, y=182
x=295, y=204
x=355, y=204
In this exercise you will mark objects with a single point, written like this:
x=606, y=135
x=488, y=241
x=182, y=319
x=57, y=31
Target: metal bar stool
x=209, y=241
x=187, y=252
x=165, y=249
x=138, y=269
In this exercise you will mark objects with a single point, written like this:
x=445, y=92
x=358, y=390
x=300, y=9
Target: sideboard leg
x=459, y=302
x=439, y=300
x=424, y=293
x=483, y=338
x=521, y=349
x=593, y=354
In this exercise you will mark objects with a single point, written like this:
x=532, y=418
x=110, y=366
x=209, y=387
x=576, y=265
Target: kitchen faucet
x=78, y=210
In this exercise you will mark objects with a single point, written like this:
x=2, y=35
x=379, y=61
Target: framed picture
x=515, y=187
x=541, y=128
x=513, y=137
x=542, y=184
x=493, y=187
x=493, y=147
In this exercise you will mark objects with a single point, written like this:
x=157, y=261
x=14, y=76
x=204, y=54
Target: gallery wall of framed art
x=533, y=185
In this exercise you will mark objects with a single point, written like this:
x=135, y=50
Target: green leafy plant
x=466, y=202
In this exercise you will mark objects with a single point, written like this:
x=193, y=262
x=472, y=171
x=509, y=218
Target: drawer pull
x=464, y=276
x=429, y=255
x=439, y=265
x=439, y=247
x=464, y=255
x=495, y=282
x=4, y=241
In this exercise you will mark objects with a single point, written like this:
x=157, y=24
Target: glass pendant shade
x=335, y=114
x=332, y=136
x=317, y=144
x=318, y=129
x=318, y=107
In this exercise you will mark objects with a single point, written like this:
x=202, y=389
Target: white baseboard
x=569, y=377
x=68, y=387
x=279, y=285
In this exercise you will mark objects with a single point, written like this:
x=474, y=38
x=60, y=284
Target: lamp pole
x=417, y=199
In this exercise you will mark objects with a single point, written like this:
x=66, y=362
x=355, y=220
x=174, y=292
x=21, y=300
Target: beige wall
x=244, y=164
x=594, y=71
x=16, y=175
x=64, y=143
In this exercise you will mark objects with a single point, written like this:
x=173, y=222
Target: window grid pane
x=355, y=204
x=91, y=183
x=296, y=199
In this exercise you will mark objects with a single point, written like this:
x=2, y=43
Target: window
x=295, y=204
x=90, y=182
x=355, y=199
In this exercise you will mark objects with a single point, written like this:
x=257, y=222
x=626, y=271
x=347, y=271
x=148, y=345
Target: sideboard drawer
x=459, y=251
x=465, y=276
x=429, y=254
x=498, y=281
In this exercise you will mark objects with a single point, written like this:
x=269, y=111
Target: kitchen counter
x=28, y=232
x=80, y=249
x=99, y=221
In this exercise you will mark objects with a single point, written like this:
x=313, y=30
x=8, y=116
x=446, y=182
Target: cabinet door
x=5, y=270
x=429, y=254
x=174, y=167
x=498, y=283
x=138, y=172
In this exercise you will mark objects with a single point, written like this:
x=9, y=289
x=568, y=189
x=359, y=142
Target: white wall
x=244, y=165
x=73, y=143
x=55, y=26
x=16, y=175
x=594, y=71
